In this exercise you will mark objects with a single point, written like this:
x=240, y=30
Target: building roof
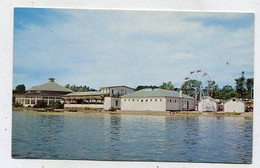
x=40, y=94
x=118, y=86
x=234, y=98
x=155, y=93
x=210, y=98
x=50, y=86
x=91, y=93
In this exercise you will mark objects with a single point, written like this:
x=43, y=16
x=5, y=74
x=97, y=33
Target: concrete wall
x=207, y=105
x=83, y=106
x=187, y=104
x=172, y=104
x=111, y=102
x=234, y=106
x=143, y=104
x=191, y=104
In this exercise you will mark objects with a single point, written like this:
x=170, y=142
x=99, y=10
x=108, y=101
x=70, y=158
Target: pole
x=181, y=100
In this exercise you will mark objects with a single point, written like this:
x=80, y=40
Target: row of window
x=143, y=100
x=155, y=100
x=33, y=101
x=39, y=97
x=177, y=101
x=115, y=91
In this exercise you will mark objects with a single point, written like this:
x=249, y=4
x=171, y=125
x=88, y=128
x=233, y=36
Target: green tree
x=190, y=86
x=140, y=87
x=20, y=89
x=241, y=86
x=212, y=89
x=249, y=87
x=227, y=92
x=67, y=86
x=73, y=88
x=167, y=86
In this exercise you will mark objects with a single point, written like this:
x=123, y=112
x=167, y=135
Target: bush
x=57, y=105
x=17, y=104
x=40, y=104
x=112, y=109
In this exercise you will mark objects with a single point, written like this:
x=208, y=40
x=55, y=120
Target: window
x=160, y=100
x=125, y=100
x=151, y=99
x=128, y=99
x=26, y=101
x=156, y=100
x=142, y=100
x=146, y=100
x=133, y=100
x=175, y=101
x=137, y=100
x=170, y=100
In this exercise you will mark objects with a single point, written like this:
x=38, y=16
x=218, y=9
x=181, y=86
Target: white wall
x=143, y=104
x=84, y=105
x=234, y=106
x=172, y=104
x=185, y=106
x=110, y=102
x=121, y=90
x=207, y=105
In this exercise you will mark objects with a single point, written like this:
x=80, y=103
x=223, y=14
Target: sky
x=101, y=48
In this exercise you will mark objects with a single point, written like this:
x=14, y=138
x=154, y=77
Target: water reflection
x=132, y=137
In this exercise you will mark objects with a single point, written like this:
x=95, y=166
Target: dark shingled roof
x=155, y=93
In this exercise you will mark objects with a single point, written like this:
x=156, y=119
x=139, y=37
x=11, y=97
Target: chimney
x=51, y=79
x=181, y=93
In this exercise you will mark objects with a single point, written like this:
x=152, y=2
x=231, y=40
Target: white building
x=234, y=105
x=116, y=91
x=156, y=100
x=107, y=98
x=208, y=104
x=49, y=93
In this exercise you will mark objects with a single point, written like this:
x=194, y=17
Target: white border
x=6, y=55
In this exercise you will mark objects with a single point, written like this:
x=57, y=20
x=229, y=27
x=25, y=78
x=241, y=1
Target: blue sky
x=104, y=47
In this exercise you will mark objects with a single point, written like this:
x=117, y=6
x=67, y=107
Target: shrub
x=112, y=109
x=57, y=105
x=40, y=104
x=16, y=104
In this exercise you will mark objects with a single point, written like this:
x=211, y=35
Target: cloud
x=101, y=48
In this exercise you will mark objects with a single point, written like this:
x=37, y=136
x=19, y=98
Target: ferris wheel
x=198, y=84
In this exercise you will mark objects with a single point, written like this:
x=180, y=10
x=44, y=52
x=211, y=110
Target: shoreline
x=159, y=113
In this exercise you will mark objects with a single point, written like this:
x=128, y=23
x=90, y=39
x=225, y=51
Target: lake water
x=131, y=137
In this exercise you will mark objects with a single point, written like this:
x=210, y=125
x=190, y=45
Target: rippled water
x=131, y=137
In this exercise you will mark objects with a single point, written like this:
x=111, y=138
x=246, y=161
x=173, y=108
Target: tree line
x=243, y=88
x=80, y=88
